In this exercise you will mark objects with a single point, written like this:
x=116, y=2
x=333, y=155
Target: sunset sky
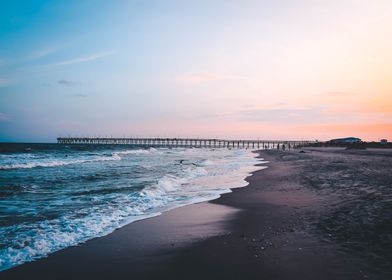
x=306, y=69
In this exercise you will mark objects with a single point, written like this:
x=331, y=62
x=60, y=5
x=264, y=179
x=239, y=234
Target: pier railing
x=185, y=142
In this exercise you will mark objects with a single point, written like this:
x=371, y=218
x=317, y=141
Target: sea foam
x=54, y=163
x=79, y=209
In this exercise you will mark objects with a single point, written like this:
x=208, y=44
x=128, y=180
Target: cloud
x=86, y=58
x=337, y=94
x=200, y=78
x=280, y=104
x=4, y=117
x=68, y=83
x=339, y=102
x=42, y=53
x=197, y=78
x=365, y=130
x=82, y=95
x=292, y=115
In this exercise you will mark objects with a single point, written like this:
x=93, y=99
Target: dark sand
x=323, y=214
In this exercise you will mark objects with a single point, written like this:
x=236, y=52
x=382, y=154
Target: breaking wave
x=57, y=163
x=64, y=209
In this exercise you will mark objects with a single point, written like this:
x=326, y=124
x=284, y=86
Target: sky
x=282, y=69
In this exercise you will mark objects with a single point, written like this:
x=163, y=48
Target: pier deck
x=185, y=142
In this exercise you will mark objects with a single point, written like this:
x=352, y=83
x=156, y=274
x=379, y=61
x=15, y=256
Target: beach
x=323, y=213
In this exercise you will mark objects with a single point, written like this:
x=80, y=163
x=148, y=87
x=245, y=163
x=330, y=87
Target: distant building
x=346, y=140
x=384, y=141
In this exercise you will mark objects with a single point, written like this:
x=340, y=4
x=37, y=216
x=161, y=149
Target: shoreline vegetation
x=315, y=213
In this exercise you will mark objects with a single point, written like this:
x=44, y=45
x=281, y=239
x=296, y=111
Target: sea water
x=55, y=196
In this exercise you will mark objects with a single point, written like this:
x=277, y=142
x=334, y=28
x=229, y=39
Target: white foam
x=210, y=175
x=149, y=151
x=62, y=233
x=46, y=163
x=133, y=152
x=206, y=162
x=168, y=183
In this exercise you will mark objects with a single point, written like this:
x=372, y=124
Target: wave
x=57, y=163
x=137, y=152
x=167, y=183
x=206, y=162
x=54, y=163
x=206, y=177
x=62, y=233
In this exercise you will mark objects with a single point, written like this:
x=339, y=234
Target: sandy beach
x=320, y=214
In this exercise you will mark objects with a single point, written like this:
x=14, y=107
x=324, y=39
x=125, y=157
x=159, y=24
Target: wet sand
x=322, y=214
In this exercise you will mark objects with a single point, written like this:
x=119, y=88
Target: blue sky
x=249, y=69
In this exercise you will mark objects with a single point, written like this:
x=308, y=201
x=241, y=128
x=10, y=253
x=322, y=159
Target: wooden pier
x=184, y=142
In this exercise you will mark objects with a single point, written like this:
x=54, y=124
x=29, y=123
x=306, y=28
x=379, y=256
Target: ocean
x=54, y=196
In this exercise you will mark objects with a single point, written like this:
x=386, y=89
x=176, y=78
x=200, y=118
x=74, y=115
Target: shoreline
x=189, y=176
x=263, y=230
x=221, y=214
